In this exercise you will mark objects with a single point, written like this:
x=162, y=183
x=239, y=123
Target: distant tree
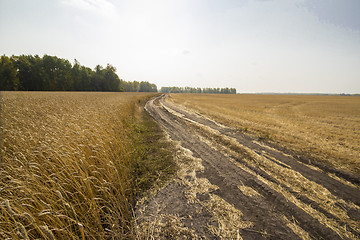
x=197, y=90
x=76, y=76
x=143, y=87
x=50, y=73
x=96, y=77
x=164, y=89
x=111, y=79
x=147, y=87
x=8, y=74
x=66, y=82
x=50, y=70
x=135, y=86
x=30, y=73
x=124, y=86
x=86, y=74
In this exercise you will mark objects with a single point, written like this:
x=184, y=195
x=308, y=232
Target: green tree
x=30, y=72
x=8, y=74
x=147, y=87
x=76, y=76
x=50, y=73
x=86, y=75
x=111, y=79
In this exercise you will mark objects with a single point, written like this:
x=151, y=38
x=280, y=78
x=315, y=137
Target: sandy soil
x=231, y=186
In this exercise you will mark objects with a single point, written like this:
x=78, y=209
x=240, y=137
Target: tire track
x=221, y=169
x=337, y=188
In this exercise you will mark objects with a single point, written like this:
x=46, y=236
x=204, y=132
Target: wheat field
x=325, y=128
x=69, y=163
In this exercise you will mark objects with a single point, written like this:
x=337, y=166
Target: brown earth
x=232, y=186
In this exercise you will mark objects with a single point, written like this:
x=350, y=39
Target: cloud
x=99, y=7
x=344, y=13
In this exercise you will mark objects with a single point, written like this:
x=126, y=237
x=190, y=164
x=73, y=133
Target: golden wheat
x=67, y=164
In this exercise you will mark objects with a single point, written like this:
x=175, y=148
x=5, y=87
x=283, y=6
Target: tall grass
x=71, y=164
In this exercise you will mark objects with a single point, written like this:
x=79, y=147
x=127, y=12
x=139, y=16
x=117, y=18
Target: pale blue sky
x=254, y=45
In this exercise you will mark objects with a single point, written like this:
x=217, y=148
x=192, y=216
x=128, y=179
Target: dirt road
x=233, y=186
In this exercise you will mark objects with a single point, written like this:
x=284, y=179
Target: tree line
x=197, y=90
x=50, y=73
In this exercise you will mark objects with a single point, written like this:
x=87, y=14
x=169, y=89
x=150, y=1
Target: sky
x=287, y=46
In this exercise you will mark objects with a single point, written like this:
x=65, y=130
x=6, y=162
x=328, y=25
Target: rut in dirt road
x=278, y=195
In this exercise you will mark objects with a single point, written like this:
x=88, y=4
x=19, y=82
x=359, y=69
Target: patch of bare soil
x=231, y=186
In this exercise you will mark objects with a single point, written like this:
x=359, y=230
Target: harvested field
x=236, y=185
x=73, y=163
x=323, y=128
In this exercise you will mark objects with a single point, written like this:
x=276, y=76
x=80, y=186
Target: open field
x=322, y=128
x=73, y=163
x=236, y=185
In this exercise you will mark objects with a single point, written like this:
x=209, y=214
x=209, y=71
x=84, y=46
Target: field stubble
x=321, y=128
x=276, y=195
x=72, y=163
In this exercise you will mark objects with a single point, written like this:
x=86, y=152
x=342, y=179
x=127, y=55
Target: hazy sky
x=252, y=45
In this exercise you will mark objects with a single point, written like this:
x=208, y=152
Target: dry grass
x=326, y=128
x=69, y=164
x=287, y=177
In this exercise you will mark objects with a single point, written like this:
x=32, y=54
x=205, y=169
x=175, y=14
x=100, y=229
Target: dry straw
x=324, y=127
x=284, y=176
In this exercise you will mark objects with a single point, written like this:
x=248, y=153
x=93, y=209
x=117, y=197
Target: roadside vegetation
x=73, y=164
x=321, y=128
